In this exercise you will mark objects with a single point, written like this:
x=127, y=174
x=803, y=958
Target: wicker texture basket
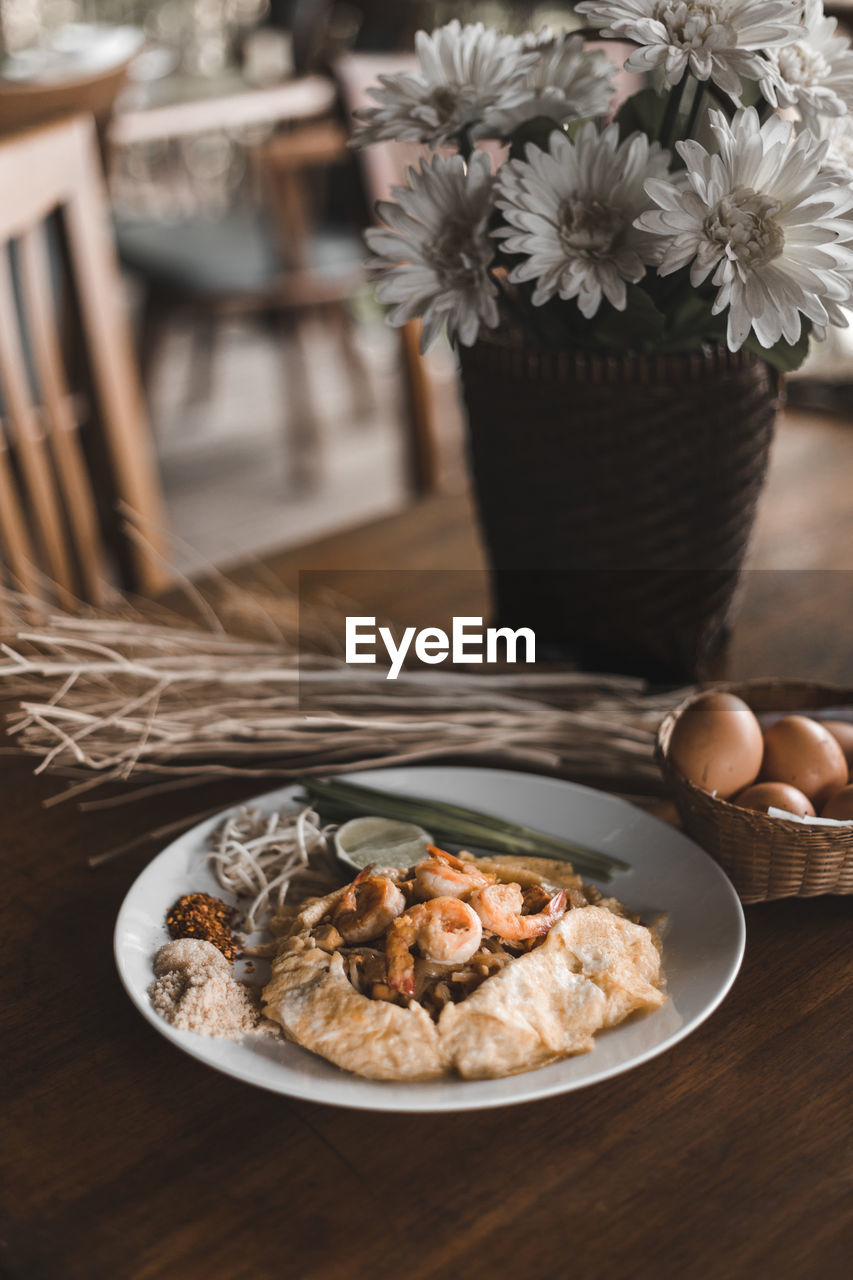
x=765, y=857
x=617, y=496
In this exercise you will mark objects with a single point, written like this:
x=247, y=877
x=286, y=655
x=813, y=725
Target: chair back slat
x=61, y=427
x=17, y=550
x=64, y=478
x=28, y=441
x=114, y=373
x=36, y=175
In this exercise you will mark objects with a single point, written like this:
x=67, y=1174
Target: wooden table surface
x=728, y=1156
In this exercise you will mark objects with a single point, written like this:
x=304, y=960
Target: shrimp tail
x=545, y=920
x=449, y=859
x=348, y=899
x=556, y=907
x=399, y=965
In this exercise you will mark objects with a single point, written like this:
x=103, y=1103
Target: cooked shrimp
x=443, y=876
x=446, y=930
x=499, y=908
x=367, y=907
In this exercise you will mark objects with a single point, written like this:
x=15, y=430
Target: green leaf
x=690, y=322
x=785, y=356
x=560, y=324
x=666, y=290
x=687, y=311
x=538, y=131
x=643, y=111
x=638, y=328
x=750, y=94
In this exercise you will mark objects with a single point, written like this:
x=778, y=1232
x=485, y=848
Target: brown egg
x=763, y=795
x=842, y=732
x=840, y=805
x=802, y=753
x=716, y=743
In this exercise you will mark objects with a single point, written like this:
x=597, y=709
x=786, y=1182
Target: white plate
x=703, y=941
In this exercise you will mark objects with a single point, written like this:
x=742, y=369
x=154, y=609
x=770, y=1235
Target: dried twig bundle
x=105, y=697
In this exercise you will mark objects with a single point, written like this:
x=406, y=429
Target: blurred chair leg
x=153, y=320
x=421, y=449
x=203, y=344
x=302, y=425
x=363, y=399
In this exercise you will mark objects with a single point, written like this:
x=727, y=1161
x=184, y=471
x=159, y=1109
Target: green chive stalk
x=457, y=825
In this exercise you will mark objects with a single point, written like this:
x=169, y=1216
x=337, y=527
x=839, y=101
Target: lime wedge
x=382, y=841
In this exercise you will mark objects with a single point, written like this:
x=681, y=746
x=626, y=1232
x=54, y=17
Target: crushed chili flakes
x=200, y=915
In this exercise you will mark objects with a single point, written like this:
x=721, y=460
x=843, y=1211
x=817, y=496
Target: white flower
x=815, y=73
x=837, y=131
x=571, y=211
x=436, y=249
x=718, y=39
x=567, y=83
x=464, y=73
x=766, y=220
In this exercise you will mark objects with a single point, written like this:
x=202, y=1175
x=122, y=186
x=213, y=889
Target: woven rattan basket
x=617, y=496
x=766, y=857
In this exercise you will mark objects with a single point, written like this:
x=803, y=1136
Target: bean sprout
x=259, y=854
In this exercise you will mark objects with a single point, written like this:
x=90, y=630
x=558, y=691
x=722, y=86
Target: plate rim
x=403, y=1102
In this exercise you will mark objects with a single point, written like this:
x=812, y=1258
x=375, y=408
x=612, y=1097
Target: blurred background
x=281, y=405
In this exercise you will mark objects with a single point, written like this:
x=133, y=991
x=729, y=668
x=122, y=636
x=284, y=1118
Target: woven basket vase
x=764, y=857
x=617, y=496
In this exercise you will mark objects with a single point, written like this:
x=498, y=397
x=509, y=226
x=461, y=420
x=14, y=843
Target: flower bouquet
x=624, y=275
x=707, y=207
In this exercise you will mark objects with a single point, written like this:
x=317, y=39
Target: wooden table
x=727, y=1157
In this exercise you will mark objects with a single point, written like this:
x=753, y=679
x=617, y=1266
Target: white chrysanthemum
x=571, y=213
x=567, y=83
x=815, y=73
x=763, y=216
x=465, y=72
x=719, y=40
x=436, y=249
x=837, y=132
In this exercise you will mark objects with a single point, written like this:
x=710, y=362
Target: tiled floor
x=227, y=451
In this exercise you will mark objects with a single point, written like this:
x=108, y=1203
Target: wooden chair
x=67, y=461
x=264, y=259
x=383, y=166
